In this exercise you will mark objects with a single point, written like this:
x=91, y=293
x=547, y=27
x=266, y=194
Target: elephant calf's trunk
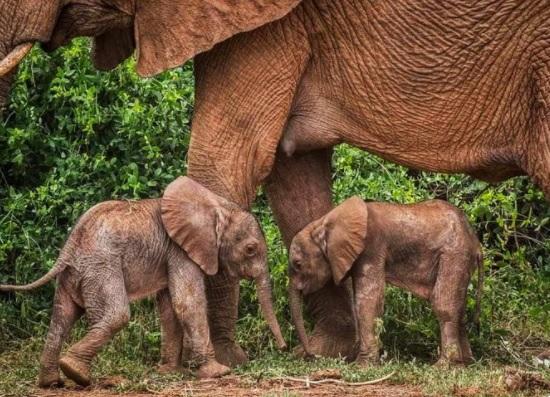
x=266, y=305
x=295, y=302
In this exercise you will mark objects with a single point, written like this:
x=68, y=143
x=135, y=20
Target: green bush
x=73, y=137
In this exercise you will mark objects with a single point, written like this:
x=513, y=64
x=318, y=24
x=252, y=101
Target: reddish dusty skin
x=120, y=252
x=454, y=86
x=427, y=248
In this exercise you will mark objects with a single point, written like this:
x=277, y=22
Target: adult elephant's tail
x=46, y=278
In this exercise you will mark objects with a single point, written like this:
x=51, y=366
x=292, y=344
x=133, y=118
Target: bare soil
x=240, y=386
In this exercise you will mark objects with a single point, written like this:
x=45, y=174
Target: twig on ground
x=505, y=345
x=310, y=382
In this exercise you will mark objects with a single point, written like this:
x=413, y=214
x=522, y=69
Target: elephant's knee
x=119, y=319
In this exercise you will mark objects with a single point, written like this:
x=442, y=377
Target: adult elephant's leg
x=299, y=191
x=244, y=91
x=539, y=153
x=538, y=161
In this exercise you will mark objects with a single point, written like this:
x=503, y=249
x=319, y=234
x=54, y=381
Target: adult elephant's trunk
x=295, y=302
x=266, y=305
x=13, y=59
x=26, y=22
x=8, y=64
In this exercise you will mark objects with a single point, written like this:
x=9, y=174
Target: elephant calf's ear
x=191, y=215
x=344, y=232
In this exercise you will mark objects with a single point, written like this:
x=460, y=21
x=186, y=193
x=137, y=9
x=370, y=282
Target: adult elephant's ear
x=109, y=22
x=170, y=32
x=112, y=48
x=341, y=235
x=195, y=219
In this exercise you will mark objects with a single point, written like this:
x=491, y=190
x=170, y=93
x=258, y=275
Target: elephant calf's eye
x=251, y=249
x=297, y=265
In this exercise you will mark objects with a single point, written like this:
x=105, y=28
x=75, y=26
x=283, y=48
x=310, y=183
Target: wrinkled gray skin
x=120, y=252
x=426, y=248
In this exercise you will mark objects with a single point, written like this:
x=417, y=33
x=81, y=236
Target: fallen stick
x=309, y=382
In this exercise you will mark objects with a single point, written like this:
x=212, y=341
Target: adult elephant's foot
x=75, y=370
x=212, y=369
x=453, y=354
x=445, y=363
x=230, y=353
x=334, y=331
x=169, y=368
x=368, y=359
x=450, y=357
x=299, y=191
x=327, y=343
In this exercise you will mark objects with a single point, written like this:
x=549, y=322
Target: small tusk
x=14, y=57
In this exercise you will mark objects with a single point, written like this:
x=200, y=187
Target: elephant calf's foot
x=230, y=354
x=212, y=369
x=76, y=370
x=50, y=379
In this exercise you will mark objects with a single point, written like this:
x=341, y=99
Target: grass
x=124, y=357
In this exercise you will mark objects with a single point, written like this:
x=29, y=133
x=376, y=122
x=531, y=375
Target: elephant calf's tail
x=479, y=290
x=58, y=268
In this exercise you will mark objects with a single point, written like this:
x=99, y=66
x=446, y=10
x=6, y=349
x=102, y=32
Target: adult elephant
x=458, y=86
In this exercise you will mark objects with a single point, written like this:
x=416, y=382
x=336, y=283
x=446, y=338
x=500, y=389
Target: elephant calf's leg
x=299, y=191
x=223, y=303
x=108, y=311
x=188, y=293
x=171, y=344
x=448, y=300
x=64, y=315
x=369, y=308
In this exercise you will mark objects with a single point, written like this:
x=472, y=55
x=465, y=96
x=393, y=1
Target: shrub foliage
x=73, y=136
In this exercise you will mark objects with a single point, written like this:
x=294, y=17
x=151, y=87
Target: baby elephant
x=426, y=248
x=121, y=251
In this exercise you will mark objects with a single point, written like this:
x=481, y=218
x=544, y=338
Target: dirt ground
x=240, y=386
x=327, y=382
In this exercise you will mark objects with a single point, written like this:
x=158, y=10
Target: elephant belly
x=439, y=86
x=146, y=278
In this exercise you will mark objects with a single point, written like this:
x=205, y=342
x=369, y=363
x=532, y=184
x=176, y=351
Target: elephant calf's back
x=122, y=236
